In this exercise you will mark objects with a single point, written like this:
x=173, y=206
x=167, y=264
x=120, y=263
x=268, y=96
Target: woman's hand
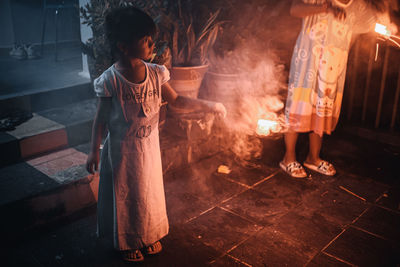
x=92, y=162
x=393, y=28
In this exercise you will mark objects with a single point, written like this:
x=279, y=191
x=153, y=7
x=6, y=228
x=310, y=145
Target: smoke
x=247, y=70
x=254, y=89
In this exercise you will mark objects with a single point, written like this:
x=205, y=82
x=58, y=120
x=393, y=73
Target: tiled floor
x=256, y=217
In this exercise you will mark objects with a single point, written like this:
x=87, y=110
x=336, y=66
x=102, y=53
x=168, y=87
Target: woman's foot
x=321, y=166
x=294, y=169
x=132, y=255
x=154, y=248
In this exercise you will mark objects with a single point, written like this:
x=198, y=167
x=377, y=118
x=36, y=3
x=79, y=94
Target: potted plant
x=191, y=35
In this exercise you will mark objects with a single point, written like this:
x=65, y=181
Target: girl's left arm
x=98, y=131
x=170, y=95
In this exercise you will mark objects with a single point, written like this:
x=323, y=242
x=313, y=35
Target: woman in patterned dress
x=317, y=73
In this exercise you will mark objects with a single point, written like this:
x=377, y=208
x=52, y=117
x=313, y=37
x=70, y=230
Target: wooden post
x=367, y=85
x=396, y=102
x=382, y=89
x=353, y=79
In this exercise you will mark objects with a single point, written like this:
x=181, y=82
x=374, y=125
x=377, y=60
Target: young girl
x=318, y=71
x=131, y=191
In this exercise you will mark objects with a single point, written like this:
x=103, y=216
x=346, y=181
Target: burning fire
x=266, y=127
x=382, y=29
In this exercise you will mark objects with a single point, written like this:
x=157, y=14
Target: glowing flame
x=382, y=29
x=266, y=127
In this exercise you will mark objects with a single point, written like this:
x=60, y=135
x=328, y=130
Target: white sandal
x=132, y=255
x=323, y=167
x=294, y=169
x=154, y=248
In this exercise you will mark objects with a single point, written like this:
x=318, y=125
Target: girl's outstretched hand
x=219, y=108
x=92, y=162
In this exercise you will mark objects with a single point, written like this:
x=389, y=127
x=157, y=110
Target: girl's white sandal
x=132, y=255
x=154, y=248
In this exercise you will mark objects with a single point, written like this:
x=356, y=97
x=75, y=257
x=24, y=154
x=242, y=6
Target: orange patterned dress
x=318, y=67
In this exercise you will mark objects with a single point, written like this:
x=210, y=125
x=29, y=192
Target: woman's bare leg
x=290, y=144
x=314, y=159
x=289, y=163
x=315, y=148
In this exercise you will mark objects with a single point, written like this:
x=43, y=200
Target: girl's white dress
x=131, y=201
x=318, y=67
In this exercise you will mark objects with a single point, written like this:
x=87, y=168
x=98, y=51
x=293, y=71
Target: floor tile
x=182, y=206
x=220, y=229
x=391, y=199
x=362, y=249
x=246, y=175
x=272, y=248
x=341, y=207
x=381, y=222
x=259, y=207
x=362, y=157
x=327, y=261
x=226, y=260
x=74, y=245
x=364, y=187
x=199, y=183
x=285, y=188
x=181, y=249
x=307, y=225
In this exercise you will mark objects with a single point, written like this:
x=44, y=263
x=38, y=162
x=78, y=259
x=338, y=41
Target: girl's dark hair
x=127, y=24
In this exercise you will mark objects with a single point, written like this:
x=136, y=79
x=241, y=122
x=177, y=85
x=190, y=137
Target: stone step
x=47, y=131
x=64, y=88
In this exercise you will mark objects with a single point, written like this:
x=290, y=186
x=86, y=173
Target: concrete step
x=47, y=131
x=71, y=90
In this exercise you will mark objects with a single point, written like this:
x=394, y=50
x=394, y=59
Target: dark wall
x=27, y=19
x=264, y=26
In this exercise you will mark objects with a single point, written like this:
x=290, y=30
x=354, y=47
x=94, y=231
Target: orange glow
x=266, y=127
x=382, y=29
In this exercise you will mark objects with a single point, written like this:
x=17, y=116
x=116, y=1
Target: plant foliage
x=188, y=33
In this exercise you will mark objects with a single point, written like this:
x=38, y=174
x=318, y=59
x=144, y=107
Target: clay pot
x=186, y=81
